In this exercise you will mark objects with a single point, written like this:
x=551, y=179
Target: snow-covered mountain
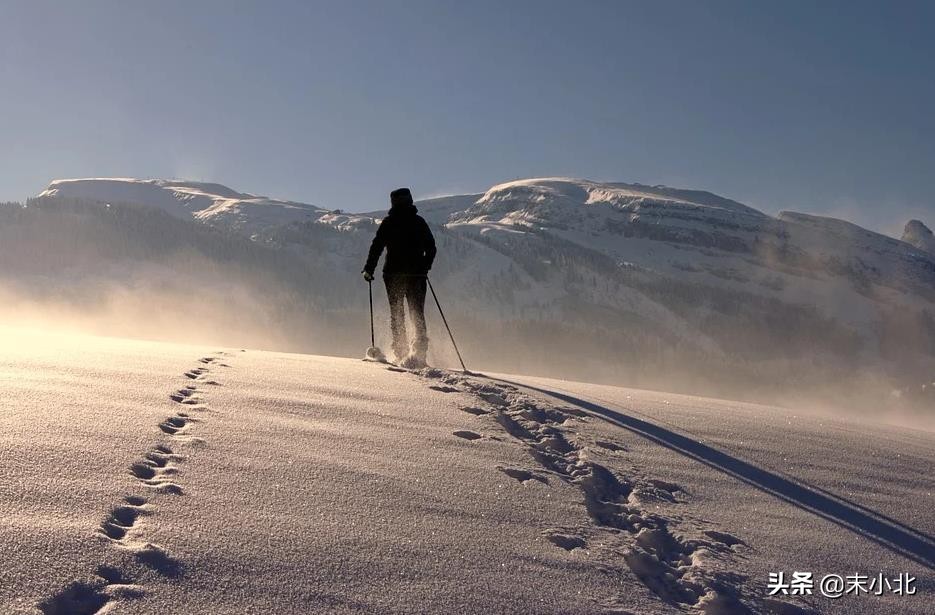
x=694, y=254
x=683, y=233
x=679, y=232
x=614, y=280
x=210, y=203
x=920, y=236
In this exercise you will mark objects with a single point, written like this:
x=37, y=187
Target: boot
x=399, y=350
x=417, y=356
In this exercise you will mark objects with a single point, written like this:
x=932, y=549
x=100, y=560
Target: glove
x=368, y=276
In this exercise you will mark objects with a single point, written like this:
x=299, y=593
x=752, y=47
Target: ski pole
x=445, y=320
x=370, y=288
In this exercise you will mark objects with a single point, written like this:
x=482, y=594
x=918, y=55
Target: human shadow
x=908, y=542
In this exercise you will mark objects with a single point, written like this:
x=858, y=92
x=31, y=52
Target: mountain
x=210, y=203
x=611, y=282
x=748, y=283
x=920, y=236
x=437, y=210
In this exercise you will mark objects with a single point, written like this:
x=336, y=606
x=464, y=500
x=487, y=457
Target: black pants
x=401, y=290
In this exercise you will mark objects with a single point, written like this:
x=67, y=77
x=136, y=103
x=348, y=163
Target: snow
x=707, y=240
x=680, y=267
x=207, y=202
x=170, y=478
x=682, y=234
x=560, y=201
x=436, y=210
x=920, y=236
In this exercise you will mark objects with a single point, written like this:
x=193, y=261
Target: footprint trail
x=123, y=528
x=684, y=561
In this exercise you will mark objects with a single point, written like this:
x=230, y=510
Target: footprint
x=143, y=471
x=82, y=598
x=159, y=460
x=444, y=389
x=467, y=435
x=474, y=411
x=522, y=475
x=113, y=576
x=126, y=516
x=666, y=486
x=113, y=531
x=724, y=538
x=121, y=519
x=186, y=396
x=166, y=487
x=196, y=373
x=494, y=399
x=156, y=558
x=182, y=394
x=566, y=541
x=173, y=424
x=79, y=598
x=152, y=470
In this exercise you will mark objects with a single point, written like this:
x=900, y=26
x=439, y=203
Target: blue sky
x=825, y=107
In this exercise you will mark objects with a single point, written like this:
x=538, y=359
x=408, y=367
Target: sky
x=823, y=107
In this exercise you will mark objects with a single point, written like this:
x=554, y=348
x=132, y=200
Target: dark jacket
x=410, y=246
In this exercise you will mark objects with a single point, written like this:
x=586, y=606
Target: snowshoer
x=410, y=252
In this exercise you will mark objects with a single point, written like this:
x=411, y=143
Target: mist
x=215, y=308
x=131, y=271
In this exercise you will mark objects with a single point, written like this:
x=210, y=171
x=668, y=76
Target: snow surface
x=155, y=478
x=570, y=191
x=214, y=203
x=920, y=236
x=436, y=210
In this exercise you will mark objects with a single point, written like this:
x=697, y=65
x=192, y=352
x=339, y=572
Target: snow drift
x=162, y=478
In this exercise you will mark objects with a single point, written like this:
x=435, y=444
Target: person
x=410, y=252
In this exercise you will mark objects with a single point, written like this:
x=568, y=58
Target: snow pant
x=402, y=289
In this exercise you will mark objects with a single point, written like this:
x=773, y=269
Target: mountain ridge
x=209, y=201
x=602, y=280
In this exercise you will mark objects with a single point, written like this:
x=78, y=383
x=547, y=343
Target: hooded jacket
x=409, y=244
